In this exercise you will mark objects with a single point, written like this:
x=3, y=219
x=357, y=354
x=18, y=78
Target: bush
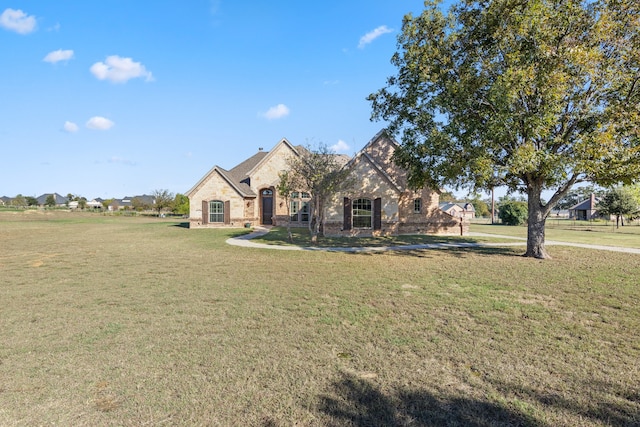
x=513, y=212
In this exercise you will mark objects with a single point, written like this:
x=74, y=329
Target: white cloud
x=18, y=21
x=277, y=112
x=119, y=70
x=99, y=123
x=58, y=55
x=339, y=146
x=70, y=127
x=372, y=35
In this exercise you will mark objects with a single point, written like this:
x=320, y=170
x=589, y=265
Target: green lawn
x=140, y=321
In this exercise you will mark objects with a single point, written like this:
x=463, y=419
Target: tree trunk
x=313, y=221
x=535, y=225
x=289, y=235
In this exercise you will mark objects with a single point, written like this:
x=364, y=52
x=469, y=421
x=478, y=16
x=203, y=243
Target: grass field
x=140, y=321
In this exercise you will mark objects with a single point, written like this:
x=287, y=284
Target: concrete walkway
x=245, y=241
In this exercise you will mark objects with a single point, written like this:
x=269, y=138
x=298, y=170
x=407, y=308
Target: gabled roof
x=243, y=190
x=587, y=204
x=363, y=154
x=467, y=206
x=269, y=154
x=59, y=200
x=238, y=176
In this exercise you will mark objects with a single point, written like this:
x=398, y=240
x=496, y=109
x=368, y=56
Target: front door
x=267, y=207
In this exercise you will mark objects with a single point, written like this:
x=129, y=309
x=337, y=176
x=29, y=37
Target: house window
x=362, y=212
x=417, y=205
x=216, y=211
x=299, y=211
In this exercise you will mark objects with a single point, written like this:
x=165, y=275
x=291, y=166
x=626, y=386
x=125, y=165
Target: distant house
x=132, y=202
x=59, y=200
x=95, y=203
x=459, y=210
x=585, y=210
x=5, y=201
x=379, y=202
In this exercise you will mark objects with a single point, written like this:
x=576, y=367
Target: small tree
x=163, y=199
x=139, y=205
x=50, y=201
x=513, y=212
x=619, y=201
x=180, y=204
x=19, y=201
x=481, y=207
x=31, y=201
x=319, y=172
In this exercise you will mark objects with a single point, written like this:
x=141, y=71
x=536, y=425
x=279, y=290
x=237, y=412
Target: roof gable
x=239, y=177
x=241, y=188
x=59, y=200
x=378, y=153
x=282, y=144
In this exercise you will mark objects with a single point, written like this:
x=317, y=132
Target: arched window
x=216, y=211
x=362, y=213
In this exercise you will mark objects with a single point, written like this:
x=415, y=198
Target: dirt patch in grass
x=138, y=321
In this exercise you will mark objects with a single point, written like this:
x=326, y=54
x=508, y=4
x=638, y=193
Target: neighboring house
x=585, y=210
x=132, y=202
x=459, y=210
x=95, y=203
x=378, y=203
x=5, y=201
x=59, y=200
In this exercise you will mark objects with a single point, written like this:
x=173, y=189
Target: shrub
x=513, y=212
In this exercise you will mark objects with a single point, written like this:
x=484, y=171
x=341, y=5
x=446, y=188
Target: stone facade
x=247, y=195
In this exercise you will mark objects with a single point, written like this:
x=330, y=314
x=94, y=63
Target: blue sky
x=120, y=97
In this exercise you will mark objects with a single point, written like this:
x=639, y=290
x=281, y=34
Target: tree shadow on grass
x=610, y=405
x=461, y=252
x=357, y=402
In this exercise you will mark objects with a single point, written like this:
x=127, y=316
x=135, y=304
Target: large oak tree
x=536, y=95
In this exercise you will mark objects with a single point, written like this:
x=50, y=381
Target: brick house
x=378, y=203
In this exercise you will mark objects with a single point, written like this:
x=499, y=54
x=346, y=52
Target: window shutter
x=227, y=212
x=205, y=212
x=377, y=214
x=347, y=214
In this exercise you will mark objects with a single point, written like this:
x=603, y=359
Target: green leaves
x=534, y=95
x=539, y=90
